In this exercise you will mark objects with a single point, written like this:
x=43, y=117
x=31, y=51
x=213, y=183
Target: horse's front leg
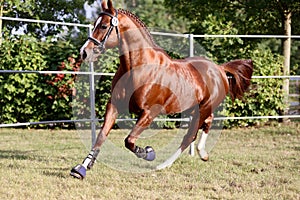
x=79, y=171
x=143, y=122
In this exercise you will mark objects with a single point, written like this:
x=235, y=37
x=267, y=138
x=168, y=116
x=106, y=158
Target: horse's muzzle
x=83, y=55
x=98, y=50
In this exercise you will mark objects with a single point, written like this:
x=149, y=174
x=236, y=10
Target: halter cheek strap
x=114, y=22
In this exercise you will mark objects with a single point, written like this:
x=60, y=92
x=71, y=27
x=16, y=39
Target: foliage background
x=29, y=97
x=35, y=97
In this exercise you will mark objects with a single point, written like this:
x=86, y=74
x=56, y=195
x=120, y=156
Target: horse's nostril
x=84, y=55
x=96, y=50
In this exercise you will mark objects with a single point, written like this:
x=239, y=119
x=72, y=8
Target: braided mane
x=139, y=21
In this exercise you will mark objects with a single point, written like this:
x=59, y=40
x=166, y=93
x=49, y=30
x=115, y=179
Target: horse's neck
x=137, y=49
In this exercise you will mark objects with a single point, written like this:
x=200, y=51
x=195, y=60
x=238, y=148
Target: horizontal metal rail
x=294, y=77
x=170, y=34
x=248, y=36
x=153, y=32
x=155, y=120
x=57, y=72
x=45, y=22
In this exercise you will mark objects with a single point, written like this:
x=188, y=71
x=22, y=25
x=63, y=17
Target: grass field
x=253, y=163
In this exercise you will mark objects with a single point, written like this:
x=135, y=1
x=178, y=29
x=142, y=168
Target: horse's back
x=209, y=79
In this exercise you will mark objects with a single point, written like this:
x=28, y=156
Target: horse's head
x=102, y=36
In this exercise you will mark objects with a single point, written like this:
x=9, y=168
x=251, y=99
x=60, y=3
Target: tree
x=245, y=17
x=279, y=17
x=155, y=15
x=284, y=9
x=61, y=10
x=152, y=12
x=250, y=16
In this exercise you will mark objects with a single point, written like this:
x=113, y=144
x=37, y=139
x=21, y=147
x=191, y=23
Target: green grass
x=253, y=163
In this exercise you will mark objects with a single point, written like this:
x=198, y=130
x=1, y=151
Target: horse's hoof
x=150, y=153
x=206, y=158
x=78, y=171
x=203, y=155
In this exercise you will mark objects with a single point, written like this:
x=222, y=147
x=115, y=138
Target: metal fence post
x=191, y=54
x=92, y=96
x=191, y=44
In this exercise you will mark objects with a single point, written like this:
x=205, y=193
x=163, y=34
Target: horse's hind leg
x=187, y=140
x=202, y=141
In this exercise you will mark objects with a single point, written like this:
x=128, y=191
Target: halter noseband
x=113, y=24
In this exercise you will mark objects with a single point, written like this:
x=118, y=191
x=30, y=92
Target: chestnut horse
x=149, y=83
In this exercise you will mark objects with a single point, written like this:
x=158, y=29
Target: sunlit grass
x=253, y=163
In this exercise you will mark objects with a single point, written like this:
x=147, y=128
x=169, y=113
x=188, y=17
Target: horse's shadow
x=16, y=154
x=59, y=172
x=51, y=171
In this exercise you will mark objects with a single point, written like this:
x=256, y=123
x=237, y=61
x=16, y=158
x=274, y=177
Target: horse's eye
x=103, y=26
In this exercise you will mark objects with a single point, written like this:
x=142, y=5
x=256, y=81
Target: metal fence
x=93, y=120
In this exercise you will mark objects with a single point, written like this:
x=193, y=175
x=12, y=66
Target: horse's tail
x=239, y=73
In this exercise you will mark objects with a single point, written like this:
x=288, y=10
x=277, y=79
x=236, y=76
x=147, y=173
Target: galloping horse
x=149, y=83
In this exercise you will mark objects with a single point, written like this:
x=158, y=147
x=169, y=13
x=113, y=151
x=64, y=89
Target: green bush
x=264, y=97
x=29, y=97
x=22, y=94
x=61, y=55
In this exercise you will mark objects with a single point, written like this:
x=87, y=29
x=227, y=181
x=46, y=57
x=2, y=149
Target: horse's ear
x=103, y=5
x=110, y=5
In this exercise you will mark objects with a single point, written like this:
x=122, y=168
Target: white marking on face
x=98, y=22
x=87, y=42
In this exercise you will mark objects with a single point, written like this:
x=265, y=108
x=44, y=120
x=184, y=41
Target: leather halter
x=114, y=22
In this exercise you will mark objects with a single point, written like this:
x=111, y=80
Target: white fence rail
x=92, y=74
